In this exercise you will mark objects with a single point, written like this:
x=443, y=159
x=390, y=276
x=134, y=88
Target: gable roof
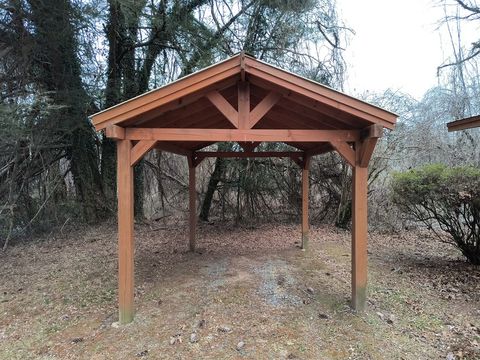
x=305, y=104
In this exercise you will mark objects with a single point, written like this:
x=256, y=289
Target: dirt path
x=250, y=286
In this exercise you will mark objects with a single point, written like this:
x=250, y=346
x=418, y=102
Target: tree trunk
x=59, y=73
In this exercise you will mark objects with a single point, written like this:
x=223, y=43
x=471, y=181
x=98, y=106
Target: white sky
x=396, y=45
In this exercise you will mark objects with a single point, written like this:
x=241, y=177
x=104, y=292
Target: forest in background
x=63, y=60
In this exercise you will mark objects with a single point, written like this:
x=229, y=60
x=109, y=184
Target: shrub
x=446, y=200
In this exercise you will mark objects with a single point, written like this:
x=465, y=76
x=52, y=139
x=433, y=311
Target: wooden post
x=359, y=233
x=305, y=186
x=125, y=232
x=243, y=104
x=192, y=206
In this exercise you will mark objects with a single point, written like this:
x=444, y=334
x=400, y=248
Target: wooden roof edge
x=335, y=95
x=463, y=124
x=241, y=60
x=101, y=117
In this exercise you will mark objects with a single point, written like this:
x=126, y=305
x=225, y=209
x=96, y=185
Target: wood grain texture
x=359, y=234
x=125, y=232
x=261, y=135
x=140, y=149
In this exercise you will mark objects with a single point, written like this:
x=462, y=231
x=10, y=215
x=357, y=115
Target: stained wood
x=243, y=104
x=192, y=205
x=115, y=132
x=345, y=151
x=263, y=107
x=125, y=232
x=224, y=107
x=318, y=92
x=140, y=149
x=214, y=135
x=170, y=93
x=359, y=235
x=463, y=124
x=366, y=151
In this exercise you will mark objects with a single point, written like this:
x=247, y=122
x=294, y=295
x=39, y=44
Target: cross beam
x=214, y=135
x=243, y=117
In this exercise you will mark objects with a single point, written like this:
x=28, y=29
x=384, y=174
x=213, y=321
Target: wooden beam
x=214, y=135
x=345, y=151
x=205, y=80
x=366, y=151
x=322, y=94
x=243, y=75
x=115, y=132
x=125, y=232
x=359, y=234
x=305, y=188
x=248, y=154
x=372, y=131
x=224, y=107
x=192, y=205
x=243, y=104
x=263, y=107
x=463, y=124
x=140, y=149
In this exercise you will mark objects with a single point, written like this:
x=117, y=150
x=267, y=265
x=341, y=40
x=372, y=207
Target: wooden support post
x=192, y=206
x=243, y=104
x=305, y=188
x=125, y=232
x=359, y=232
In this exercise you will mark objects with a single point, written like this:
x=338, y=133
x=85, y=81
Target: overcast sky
x=396, y=45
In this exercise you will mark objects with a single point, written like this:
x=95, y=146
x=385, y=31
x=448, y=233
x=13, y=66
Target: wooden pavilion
x=247, y=101
x=463, y=124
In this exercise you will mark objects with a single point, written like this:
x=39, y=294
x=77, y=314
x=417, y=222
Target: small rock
x=77, y=340
x=310, y=290
x=240, y=345
x=391, y=319
x=450, y=356
x=323, y=316
x=224, y=329
x=381, y=316
x=193, y=338
x=306, y=301
x=115, y=324
x=142, y=353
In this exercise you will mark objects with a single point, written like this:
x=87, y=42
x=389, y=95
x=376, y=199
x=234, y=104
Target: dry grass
x=58, y=297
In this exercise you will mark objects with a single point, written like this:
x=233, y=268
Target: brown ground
x=58, y=297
